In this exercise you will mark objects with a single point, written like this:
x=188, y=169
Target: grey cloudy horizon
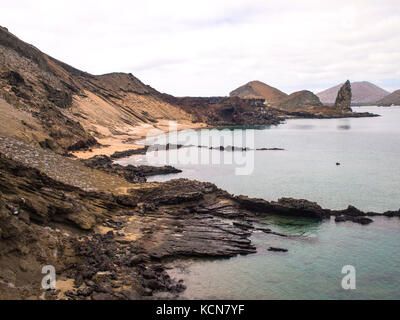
x=209, y=48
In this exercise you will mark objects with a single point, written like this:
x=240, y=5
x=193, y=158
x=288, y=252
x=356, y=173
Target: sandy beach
x=112, y=143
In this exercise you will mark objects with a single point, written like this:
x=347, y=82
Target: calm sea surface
x=368, y=150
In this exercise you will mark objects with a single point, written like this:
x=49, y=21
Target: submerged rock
x=356, y=219
x=277, y=249
x=284, y=206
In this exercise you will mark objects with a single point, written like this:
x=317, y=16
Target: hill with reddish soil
x=258, y=89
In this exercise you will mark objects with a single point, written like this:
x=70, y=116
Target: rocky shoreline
x=115, y=246
x=134, y=174
x=107, y=232
x=139, y=174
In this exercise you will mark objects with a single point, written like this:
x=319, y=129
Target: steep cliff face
x=343, y=99
x=300, y=100
x=56, y=106
x=71, y=109
x=29, y=82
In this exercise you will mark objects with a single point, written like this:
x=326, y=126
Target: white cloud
x=211, y=47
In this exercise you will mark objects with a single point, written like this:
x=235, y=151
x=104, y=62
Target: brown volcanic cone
x=258, y=89
x=299, y=100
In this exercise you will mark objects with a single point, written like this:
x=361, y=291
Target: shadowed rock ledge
x=113, y=246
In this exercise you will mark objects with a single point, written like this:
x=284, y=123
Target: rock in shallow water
x=343, y=100
x=273, y=249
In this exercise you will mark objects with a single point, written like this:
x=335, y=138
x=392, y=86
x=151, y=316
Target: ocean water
x=312, y=268
x=368, y=150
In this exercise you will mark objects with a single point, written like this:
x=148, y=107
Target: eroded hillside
x=65, y=109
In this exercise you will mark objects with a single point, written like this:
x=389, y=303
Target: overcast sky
x=204, y=48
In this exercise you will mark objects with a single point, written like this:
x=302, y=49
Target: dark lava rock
x=343, y=100
x=350, y=211
x=356, y=219
x=128, y=153
x=60, y=98
x=149, y=274
x=162, y=147
x=277, y=249
x=340, y=219
x=101, y=296
x=362, y=220
x=83, y=144
x=137, y=259
x=158, y=267
x=47, y=144
x=392, y=213
x=14, y=78
x=98, y=254
x=300, y=206
x=153, y=284
x=243, y=225
x=134, y=174
x=85, y=291
x=225, y=111
x=284, y=206
x=270, y=149
x=265, y=230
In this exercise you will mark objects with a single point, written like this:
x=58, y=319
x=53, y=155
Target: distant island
x=364, y=93
x=300, y=104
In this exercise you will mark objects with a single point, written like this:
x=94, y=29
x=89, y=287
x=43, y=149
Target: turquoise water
x=310, y=270
x=367, y=148
x=368, y=177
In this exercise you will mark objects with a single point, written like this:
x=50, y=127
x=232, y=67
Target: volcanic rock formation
x=225, y=111
x=300, y=100
x=343, y=99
